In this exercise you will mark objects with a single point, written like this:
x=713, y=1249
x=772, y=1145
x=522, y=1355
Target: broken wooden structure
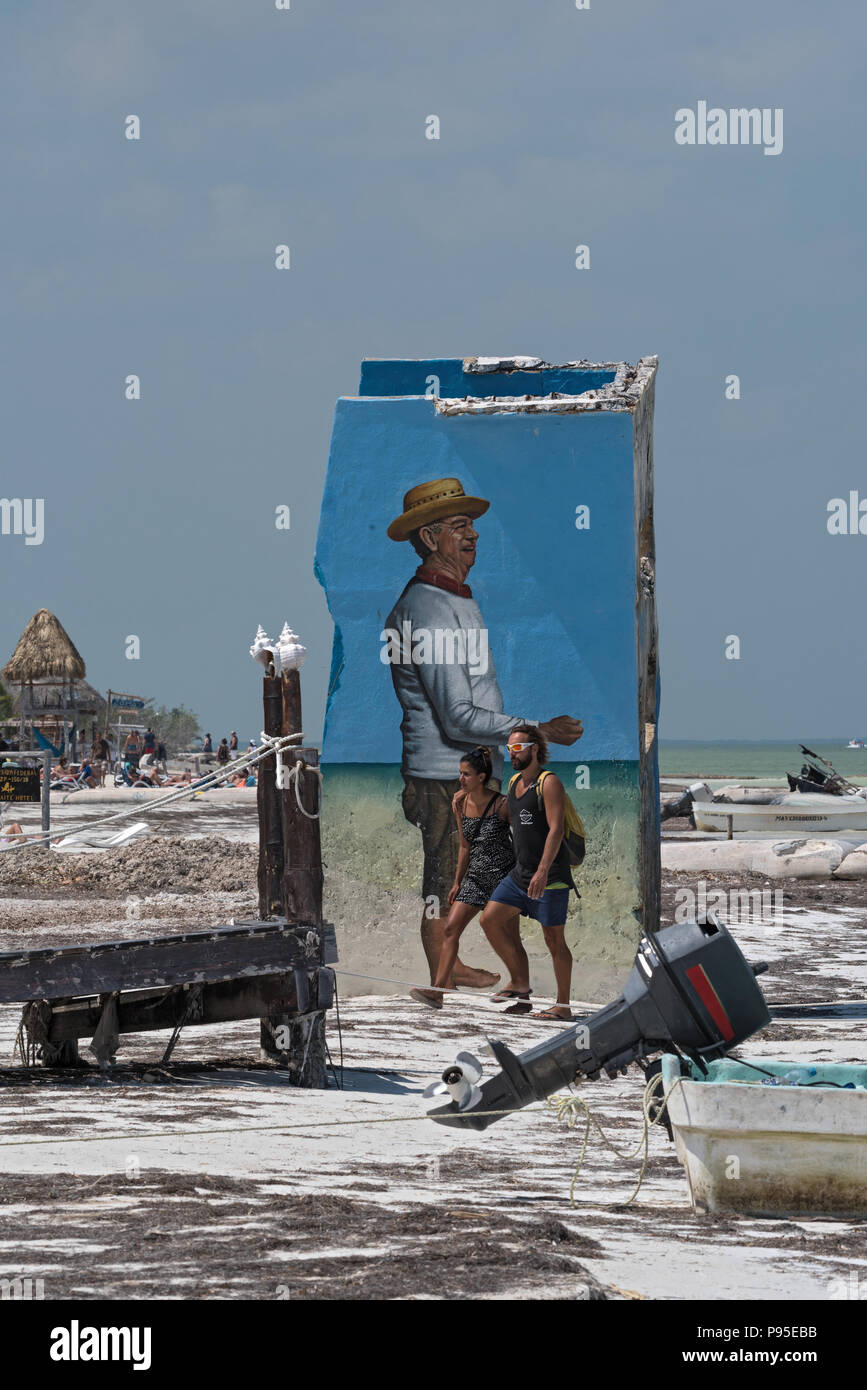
x=276, y=969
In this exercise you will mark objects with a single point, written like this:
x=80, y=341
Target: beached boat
x=825, y=779
x=786, y=811
x=771, y=1149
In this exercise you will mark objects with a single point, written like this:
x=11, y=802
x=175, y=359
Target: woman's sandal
x=554, y=1017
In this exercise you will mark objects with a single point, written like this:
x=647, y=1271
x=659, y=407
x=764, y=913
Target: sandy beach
x=201, y=1165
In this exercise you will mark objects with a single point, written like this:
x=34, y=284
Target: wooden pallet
x=275, y=971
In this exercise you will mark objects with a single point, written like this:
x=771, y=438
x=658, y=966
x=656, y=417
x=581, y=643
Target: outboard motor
x=678, y=806
x=690, y=991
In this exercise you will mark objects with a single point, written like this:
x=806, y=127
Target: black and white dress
x=491, y=855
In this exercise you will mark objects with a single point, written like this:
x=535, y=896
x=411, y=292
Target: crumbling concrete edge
x=622, y=394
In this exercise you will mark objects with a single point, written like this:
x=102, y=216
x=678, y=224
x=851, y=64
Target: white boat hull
x=797, y=1148
x=814, y=815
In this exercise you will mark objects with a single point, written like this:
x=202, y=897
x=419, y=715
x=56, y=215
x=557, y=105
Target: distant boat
x=856, y=743
x=813, y=779
x=818, y=800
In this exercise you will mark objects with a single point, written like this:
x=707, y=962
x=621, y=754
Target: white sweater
x=437, y=646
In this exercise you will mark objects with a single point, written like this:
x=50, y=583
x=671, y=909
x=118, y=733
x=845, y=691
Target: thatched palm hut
x=46, y=666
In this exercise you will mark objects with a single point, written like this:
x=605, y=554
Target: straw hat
x=432, y=502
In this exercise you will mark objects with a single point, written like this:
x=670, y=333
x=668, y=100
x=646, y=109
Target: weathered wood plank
x=649, y=867
x=302, y=850
x=224, y=953
x=152, y=1010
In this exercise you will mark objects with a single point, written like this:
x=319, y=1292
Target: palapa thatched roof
x=44, y=649
x=49, y=694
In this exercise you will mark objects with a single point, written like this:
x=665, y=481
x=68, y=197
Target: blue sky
x=306, y=127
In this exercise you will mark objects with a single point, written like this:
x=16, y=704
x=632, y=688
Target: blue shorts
x=550, y=909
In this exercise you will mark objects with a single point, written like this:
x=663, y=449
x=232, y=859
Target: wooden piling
x=290, y=875
x=270, y=871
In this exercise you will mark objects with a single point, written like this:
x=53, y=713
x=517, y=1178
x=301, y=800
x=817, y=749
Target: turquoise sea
x=733, y=759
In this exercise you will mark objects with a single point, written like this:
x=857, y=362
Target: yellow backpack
x=574, y=834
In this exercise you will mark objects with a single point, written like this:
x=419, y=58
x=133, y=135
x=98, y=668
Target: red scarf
x=443, y=581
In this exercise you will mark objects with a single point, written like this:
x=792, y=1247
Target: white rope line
x=211, y=780
x=295, y=776
x=468, y=998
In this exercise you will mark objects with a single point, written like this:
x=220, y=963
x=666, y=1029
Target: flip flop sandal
x=424, y=996
x=523, y=1006
x=504, y=995
x=554, y=1017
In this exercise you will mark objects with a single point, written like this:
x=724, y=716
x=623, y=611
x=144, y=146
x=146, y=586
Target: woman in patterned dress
x=485, y=857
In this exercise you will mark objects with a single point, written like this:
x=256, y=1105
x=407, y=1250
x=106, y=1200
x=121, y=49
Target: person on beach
x=99, y=758
x=12, y=833
x=449, y=705
x=86, y=774
x=485, y=856
x=177, y=779
x=539, y=884
x=233, y=744
x=133, y=747
x=223, y=753
x=207, y=745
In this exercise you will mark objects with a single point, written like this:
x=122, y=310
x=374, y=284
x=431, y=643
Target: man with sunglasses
x=539, y=884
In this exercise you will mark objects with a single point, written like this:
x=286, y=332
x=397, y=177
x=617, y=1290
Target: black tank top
x=529, y=833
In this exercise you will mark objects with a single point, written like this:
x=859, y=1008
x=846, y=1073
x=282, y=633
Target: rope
x=276, y=742
x=295, y=776
x=568, y=1107
x=244, y=1129
x=454, y=989
x=339, y=1031
x=206, y=783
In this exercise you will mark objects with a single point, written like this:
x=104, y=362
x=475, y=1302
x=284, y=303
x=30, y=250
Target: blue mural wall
x=558, y=602
x=558, y=605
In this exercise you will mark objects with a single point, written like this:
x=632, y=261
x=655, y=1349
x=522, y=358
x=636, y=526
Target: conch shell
x=289, y=654
x=263, y=648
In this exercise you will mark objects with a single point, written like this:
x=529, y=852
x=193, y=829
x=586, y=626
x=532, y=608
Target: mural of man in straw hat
x=436, y=644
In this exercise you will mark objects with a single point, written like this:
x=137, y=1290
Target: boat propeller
x=459, y=1082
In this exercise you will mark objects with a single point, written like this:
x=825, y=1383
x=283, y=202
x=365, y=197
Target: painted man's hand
x=562, y=729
